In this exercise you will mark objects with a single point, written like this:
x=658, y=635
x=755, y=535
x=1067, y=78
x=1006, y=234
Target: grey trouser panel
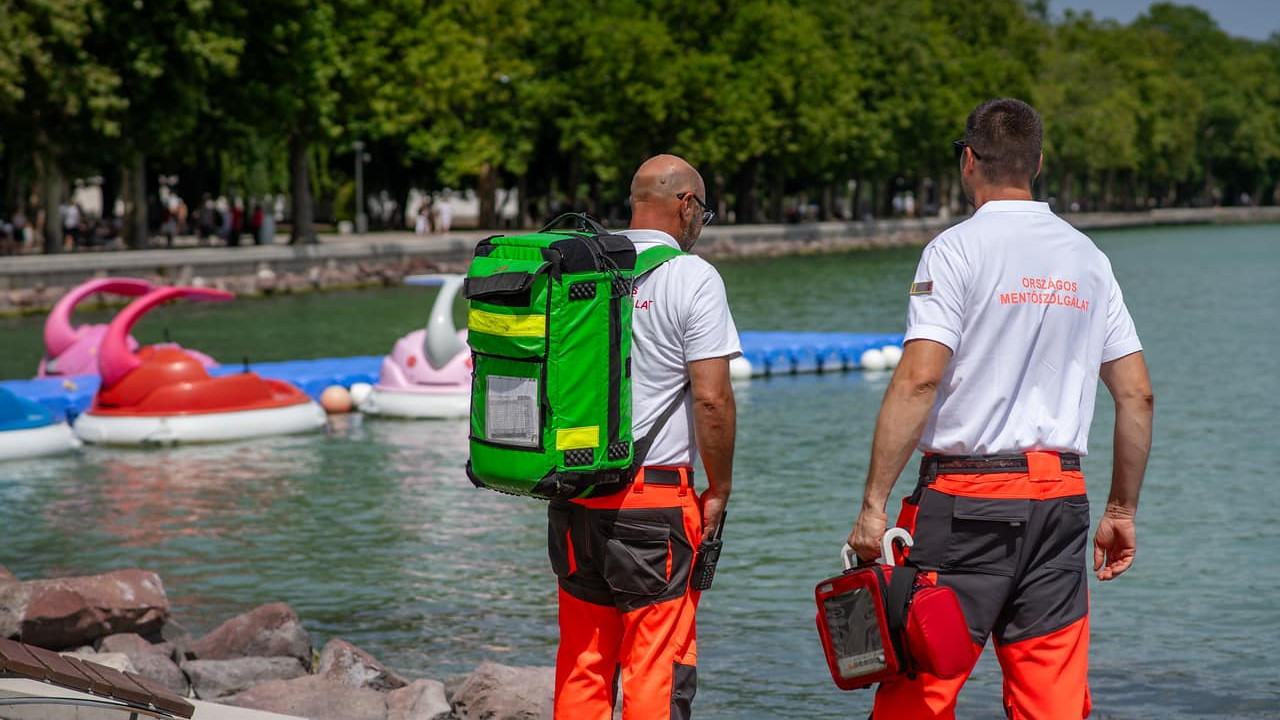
x=1017, y=565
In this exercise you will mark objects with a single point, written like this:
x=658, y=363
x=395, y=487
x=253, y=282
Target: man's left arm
x=715, y=428
x=903, y=413
x=1116, y=541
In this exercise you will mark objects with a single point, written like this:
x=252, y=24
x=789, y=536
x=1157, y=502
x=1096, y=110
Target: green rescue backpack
x=549, y=325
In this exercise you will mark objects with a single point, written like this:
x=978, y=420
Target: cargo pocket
x=985, y=534
x=1070, y=536
x=638, y=557
x=559, y=544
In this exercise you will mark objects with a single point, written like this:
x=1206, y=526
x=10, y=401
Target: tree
x=64, y=101
x=167, y=54
x=284, y=94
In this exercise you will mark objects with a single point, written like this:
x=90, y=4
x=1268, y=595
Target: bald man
x=624, y=560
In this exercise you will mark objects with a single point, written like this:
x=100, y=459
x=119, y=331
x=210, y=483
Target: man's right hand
x=713, y=504
x=867, y=533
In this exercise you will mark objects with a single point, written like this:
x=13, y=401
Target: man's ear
x=687, y=208
x=1039, y=167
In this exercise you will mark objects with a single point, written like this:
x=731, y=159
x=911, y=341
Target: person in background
x=443, y=214
x=1012, y=318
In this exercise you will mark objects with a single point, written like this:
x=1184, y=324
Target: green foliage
x=769, y=97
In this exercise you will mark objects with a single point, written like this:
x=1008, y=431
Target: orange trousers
x=627, y=615
x=1012, y=546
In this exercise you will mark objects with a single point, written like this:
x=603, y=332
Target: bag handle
x=850, y=559
x=582, y=222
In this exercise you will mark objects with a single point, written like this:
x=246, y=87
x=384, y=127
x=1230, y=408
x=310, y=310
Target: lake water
x=373, y=534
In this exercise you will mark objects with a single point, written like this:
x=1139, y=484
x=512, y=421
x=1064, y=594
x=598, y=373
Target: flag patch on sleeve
x=922, y=288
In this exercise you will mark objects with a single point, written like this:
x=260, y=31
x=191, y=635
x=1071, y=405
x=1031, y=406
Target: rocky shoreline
x=263, y=659
x=31, y=284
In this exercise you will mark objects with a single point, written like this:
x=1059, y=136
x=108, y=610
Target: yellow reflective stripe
x=507, y=325
x=577, y=438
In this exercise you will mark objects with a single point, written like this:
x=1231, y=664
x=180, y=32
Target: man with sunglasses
x=1012, y=319
x=624, y=561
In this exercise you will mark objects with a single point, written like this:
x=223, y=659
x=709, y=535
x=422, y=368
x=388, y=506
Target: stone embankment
x=32, y=283
x=264, y=659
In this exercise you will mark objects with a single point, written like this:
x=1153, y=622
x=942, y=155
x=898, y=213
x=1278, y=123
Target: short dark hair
x=1008, y=136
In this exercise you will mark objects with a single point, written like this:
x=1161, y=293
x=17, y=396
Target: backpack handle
x=583, y=222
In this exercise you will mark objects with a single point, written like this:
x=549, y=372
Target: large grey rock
x=75, y=611
x=500, y=692
x=150, y=660
x=315, y=698
x=267, y=631
x=419, y=700
x=175, y=636
x=219, y=678
x=133, y=645
x=345, y=663
x=163, y=670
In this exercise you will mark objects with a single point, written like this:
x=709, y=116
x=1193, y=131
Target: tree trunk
x=11, y=197
x=777, y=196
x=304, y=229
x=571, y=188
x=945, y=199
x=134, y=225
x=52, y=193
x=112, y=176
x=524, y=216
x=487, y=192
x=1068, y=193
x=748, y=193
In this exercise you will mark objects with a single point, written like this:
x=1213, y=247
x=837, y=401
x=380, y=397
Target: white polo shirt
x=680, y=314
x=1030, y=309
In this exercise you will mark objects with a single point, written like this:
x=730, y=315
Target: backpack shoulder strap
x=653, y=257
x=641, y=446
x=646, y=262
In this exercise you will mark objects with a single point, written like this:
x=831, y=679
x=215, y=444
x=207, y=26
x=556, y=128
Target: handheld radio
x=704, y=565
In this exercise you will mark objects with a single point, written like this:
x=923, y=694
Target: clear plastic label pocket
x=511, y=411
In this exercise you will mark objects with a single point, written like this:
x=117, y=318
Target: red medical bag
x=878, y=622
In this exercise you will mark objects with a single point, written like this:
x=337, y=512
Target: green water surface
x=373, y=534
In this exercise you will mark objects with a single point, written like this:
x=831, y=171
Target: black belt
x=665, y=476
x=934, y=465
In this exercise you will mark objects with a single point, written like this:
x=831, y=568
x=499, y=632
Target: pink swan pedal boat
x=164, y=395
x=71, y=350
x=428, y=373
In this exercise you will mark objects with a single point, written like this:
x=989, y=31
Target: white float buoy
x=892, y=354
x=872, y=359
x=739, y=368
x=360, y=393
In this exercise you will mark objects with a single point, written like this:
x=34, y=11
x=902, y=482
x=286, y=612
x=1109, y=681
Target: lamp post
x=362, y=222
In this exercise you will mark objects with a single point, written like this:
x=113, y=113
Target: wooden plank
x=118, y=686
x=61, y=670
x=165, y=699
x=86, y=676
x=17, y=659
